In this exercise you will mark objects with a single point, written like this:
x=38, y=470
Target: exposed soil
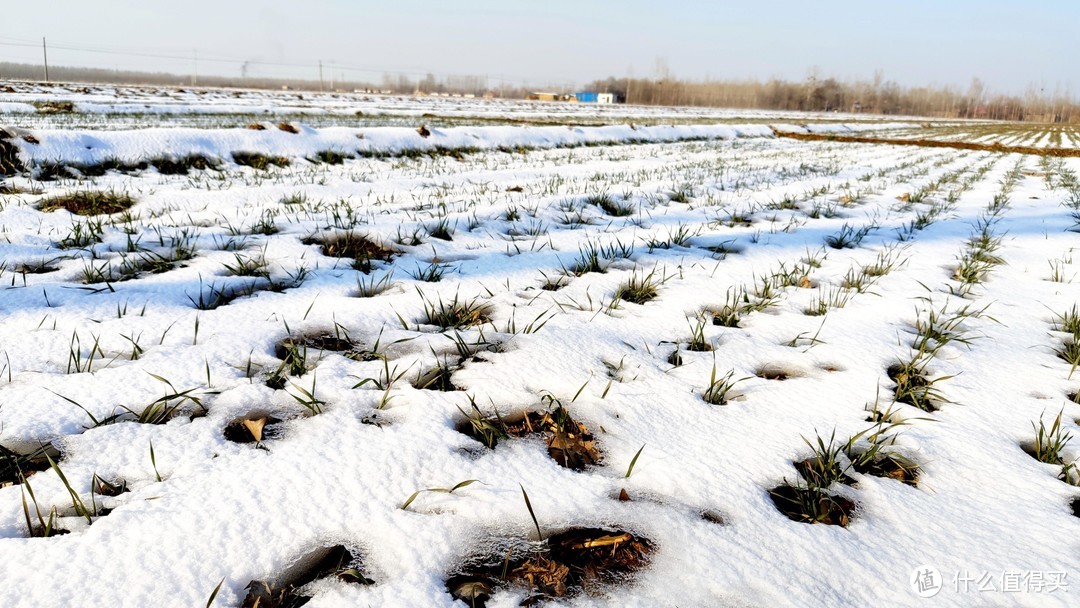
x=555, y=284
x=259, y=161
x=170, y=166
x=325, y=341
x=353, y=245
x=579, y=560
x=723, y=250
x=437, y=379
x=569, y=442
x=252, y=429
x=812, y=505
x=337, y=562
x=891, y=467
x=933, y=143
x=675, y=358
x=909, y=386
x=10, y=164
x=104, y=487
x=776, y=372
x=813, y=471
x=89, y=202
x=13, y=465
x=42, y=268
x=55, y=107
x=713, y=517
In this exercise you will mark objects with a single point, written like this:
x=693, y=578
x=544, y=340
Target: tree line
x=821, y=94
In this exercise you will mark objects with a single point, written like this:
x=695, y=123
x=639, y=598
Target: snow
x=92, y=147
x=16, y=108
x=104, y=107
x=172, y=100
x=230, y=512
x=840, y=128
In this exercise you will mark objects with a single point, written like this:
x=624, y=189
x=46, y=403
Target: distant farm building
x=592, y=97
x=582, y=97
x=539, y=96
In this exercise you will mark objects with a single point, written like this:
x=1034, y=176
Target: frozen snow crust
x=356, y=315
x=92, y=147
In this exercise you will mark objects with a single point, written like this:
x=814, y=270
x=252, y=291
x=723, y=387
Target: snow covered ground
x=1031, y=135
x=722, y=311
x=70, y=106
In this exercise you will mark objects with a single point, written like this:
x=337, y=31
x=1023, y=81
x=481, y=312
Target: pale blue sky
x=1007, y=44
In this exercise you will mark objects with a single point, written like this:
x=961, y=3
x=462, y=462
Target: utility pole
x=320, y=76
x=45, y=54
x=195, y=73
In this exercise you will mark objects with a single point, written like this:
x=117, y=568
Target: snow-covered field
x=1011, y=134
x=66, y=106
x=691, y=365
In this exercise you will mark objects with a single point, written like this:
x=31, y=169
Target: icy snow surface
x=519, y=222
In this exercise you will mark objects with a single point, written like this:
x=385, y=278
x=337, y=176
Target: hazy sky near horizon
x=1008, y=44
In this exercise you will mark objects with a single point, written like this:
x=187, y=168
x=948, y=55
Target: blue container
x=586, y=97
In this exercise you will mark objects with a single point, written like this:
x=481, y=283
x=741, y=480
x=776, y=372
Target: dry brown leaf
x=603, y=541
x=472, y=590
x=255, y=427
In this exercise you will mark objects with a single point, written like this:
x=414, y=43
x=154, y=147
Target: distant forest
x=23, y=71
x=877, y=96
x=814, y=94
x=393, y=83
